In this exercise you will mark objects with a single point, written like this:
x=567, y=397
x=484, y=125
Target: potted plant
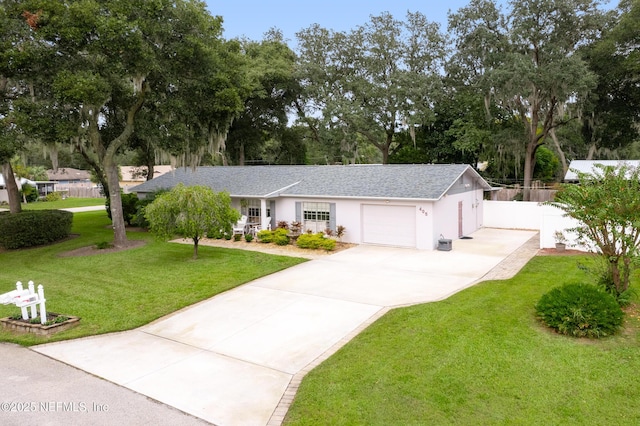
x=561, y=240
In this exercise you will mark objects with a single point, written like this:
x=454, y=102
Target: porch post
x=263, y=213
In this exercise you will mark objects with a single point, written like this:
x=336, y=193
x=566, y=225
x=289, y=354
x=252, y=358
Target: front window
x=254, y=210
x=316, y=216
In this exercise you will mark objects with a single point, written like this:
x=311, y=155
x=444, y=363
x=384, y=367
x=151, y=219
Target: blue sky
x=252, y=18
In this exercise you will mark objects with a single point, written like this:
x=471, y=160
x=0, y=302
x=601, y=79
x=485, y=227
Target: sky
x=252, y=18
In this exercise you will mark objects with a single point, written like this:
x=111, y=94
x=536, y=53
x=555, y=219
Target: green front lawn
x=478, y=358
x=127, y=289
x=64, y=204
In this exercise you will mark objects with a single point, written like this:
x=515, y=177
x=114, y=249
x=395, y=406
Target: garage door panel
x=389, y=225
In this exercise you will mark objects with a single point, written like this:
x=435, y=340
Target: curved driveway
x=236, y=358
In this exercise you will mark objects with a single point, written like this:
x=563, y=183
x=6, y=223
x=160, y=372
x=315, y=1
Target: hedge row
x=34, y=227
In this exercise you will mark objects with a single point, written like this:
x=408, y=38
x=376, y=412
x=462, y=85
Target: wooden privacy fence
x=80, y=192
x=537, y=195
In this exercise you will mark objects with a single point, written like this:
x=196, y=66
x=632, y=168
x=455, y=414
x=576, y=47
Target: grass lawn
x=63, y=204
x=124, y=290
x=478, y=358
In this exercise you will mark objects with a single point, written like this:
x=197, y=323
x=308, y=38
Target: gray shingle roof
x=409, y=181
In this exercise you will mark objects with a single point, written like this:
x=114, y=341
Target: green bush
x=34, y=227
x=53, y=196
x=278, y=236
x=281, y=237
x=139, y=218
x=265, y=236
x=29, y=193
x=129, y=207
x=216, y=234
x=315, y=241
x=580, y=310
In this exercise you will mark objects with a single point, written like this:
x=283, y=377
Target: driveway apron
x=230, y=359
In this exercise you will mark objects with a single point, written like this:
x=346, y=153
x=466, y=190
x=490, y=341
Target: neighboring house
x=69, y=177
x=586, y=166
x=135, y=175
x=43, y=187
x=395, y=205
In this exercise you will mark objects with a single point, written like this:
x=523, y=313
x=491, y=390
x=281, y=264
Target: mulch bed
x=566, y=252
x=93, y=250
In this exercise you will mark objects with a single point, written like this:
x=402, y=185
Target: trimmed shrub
x=279, y=236
x=580, y=310
x=53, y=196
x=265, y=236
x=315, y=241
x=34, y=227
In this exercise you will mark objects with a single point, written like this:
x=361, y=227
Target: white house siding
x=446, y=215
x=349, y=215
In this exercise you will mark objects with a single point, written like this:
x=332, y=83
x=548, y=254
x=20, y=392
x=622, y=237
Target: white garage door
x=389, y=225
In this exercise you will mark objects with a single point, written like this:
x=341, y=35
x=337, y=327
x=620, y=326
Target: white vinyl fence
x=530, y=215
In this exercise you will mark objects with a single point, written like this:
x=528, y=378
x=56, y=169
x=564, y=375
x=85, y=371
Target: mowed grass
x=478, y=358
x=63, y=204
x=123, y=290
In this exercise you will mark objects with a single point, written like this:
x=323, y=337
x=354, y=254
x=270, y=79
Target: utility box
x=444, y=244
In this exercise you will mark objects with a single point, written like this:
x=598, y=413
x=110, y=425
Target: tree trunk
x=385, y=149
x=12, y=188
x=563, y=159
x=529, y=164
x=117, y=216
x=195, y=247
x=96, y=168
x=241, y=155
x=150, y=169
x=615, y=276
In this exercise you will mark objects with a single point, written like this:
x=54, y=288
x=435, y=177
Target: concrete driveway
x=236, y=359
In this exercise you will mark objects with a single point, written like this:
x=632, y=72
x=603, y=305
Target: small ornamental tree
x=191, y=212
x=606, y=204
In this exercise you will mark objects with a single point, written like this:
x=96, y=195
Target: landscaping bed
x=55, y=324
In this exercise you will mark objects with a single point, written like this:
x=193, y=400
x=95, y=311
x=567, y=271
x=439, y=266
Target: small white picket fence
x=25, y=299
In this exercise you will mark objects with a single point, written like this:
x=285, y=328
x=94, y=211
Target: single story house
x=43, y=187
x=408, y=205
x=67, y=176
x=586, y=166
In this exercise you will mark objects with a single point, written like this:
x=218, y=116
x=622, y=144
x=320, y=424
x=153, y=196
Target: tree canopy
x=117, y=63
x=526, y=62
x=371, y=82
x=507, y=81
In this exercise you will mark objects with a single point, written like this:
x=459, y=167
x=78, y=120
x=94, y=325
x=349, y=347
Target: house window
x=254, y=210
x=316, y=216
